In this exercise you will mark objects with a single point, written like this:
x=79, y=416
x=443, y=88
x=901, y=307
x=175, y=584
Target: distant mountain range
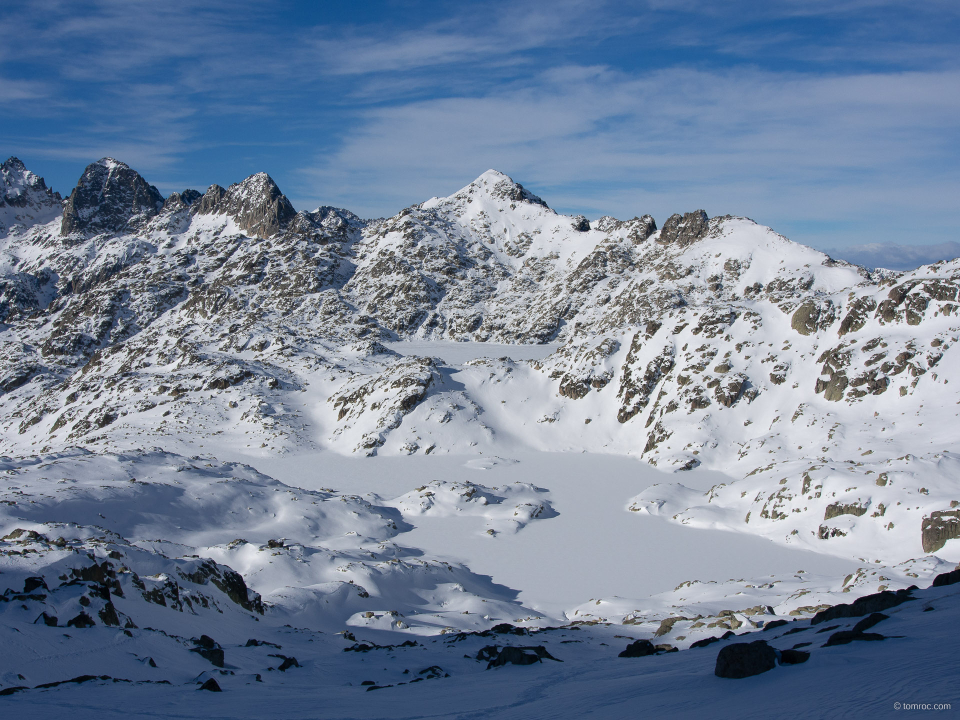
x=129, y=318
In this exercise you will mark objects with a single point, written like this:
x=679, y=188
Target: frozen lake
x=594, y=548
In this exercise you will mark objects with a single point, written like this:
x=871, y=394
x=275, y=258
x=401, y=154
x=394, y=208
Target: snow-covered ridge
x=709, y=341
x=227, y=325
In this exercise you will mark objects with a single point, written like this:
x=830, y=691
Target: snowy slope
x=157, y=354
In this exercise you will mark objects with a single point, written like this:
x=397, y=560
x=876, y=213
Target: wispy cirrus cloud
x=832, y=121
x=774, y=146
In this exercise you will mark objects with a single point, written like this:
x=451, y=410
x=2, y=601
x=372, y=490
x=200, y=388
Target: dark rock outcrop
x=684, y=230
x=209, y=649
x=639, y=648
x=942, y=525
x=286, y=662
x=110, y=197
x=793, y=657
x=514, y=655
x=741, y=660
x=864, y=606
x=947, y=578
x=774, y=624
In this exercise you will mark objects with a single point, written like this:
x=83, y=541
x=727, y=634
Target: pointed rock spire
x=110, y=197
x=256, y=204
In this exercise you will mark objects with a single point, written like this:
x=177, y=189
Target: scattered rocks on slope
x=209, y=649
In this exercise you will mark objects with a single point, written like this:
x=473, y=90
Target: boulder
x=793, y=657
x=287, y=662
x=869, y=621
x=209, y=649
x=210, y=685
x=742, y=660
x=639, y=648
x=516, y=655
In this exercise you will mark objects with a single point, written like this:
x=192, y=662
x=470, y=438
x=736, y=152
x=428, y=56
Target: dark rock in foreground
x=639, y=648
x=514, y=655
x=864, y=606
x=742, y=660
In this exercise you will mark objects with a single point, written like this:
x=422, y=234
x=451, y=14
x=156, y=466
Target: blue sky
x=836, y=123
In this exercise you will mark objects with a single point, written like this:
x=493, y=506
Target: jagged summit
x=25, y=198
x=110, y=197
x=256, y=204
x=180, y=200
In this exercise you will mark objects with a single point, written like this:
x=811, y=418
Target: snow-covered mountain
x=147, y=344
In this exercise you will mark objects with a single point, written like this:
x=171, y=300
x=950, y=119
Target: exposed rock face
x=256, y=204
x=110, y=197
x=684, y=230
x=837, y=509
x=24, y=198
x=938, y=528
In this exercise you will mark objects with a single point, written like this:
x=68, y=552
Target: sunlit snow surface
x=593, y=548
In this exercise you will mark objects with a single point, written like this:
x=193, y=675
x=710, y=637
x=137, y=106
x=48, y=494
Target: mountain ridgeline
x=129, y=319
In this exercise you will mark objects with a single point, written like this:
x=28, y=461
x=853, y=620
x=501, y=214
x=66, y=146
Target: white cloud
x=770, y=145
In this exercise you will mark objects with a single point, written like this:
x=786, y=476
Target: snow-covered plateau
x=483, y=458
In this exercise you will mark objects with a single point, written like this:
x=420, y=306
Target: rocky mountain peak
x=684, y=230
x=25, y=198
x=500, y=186
x=256, y=204
x=110, y=197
